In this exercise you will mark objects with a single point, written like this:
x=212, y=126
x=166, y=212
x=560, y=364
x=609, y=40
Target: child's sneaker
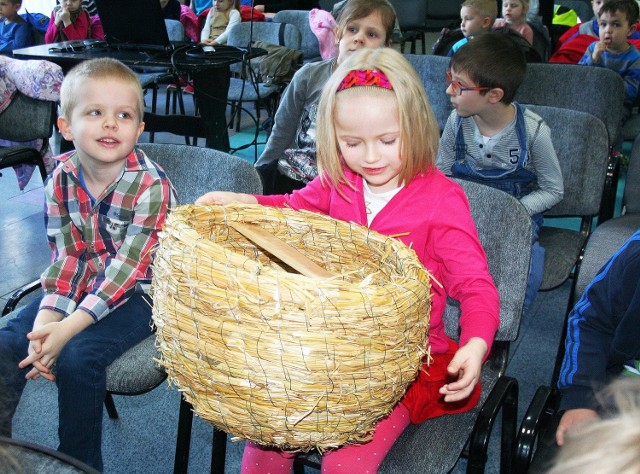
x=188, y=89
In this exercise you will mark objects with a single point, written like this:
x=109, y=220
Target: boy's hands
x=570, y=420
x=224, y=197
x=49, y=335
x=465, y=369
x=601, y=46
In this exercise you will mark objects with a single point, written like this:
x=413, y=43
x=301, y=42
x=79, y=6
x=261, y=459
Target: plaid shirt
x=101, y=250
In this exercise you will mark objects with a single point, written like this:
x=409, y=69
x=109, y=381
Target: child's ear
x=495, y=95
x=338, y=34
x=65, y=128
x=633, y=29
x=486, y=23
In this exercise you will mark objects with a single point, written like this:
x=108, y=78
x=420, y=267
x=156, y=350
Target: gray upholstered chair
x=566, y=86
x=309, y=42
x=244, y=89
x=581, y=143
x=26, y=119
x=193, y=171
x=434, y=446
x=21, y=457
x=432, y=70
x=537, y=431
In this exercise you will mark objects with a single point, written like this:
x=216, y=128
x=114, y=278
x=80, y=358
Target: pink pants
x=360, y=458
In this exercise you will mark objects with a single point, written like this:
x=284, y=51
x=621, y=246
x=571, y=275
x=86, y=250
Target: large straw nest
x=277, y=357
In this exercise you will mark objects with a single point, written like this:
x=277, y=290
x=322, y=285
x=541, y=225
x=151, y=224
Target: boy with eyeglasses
x=492, y=140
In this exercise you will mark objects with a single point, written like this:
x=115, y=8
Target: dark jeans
x=80, y=373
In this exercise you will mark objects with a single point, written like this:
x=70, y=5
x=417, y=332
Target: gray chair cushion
x=136, y=371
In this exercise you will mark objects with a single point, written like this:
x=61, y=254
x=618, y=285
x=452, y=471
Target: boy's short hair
x=355, y=9
x=484, y=8
x=492, y=60
x=100, y=68
x=628, y=7
x=15, y=2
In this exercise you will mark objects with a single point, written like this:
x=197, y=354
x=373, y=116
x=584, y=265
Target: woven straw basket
x=277, y=357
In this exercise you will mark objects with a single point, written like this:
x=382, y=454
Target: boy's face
x=468, y=102
x=104, y=124
x=472, y=21
x=513, y=11
x=367, y=32
x=8, y=9
x=614, y=31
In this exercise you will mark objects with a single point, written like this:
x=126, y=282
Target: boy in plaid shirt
x=105, y=203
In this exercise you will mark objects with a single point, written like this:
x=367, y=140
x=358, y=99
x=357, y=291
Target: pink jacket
x=435, y=212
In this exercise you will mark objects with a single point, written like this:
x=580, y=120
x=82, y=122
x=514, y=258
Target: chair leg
x=183, y=441
x=110, y=406
x=218, y=451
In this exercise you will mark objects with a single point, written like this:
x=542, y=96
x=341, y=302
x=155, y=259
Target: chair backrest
x=197, y=170
x=27, y=119
x=580, y=141
x=300, y=18
x=504, y=228
x=432, y=71
x=175, y=30
x=283, y=34
x=576, y=87
x=412, y=14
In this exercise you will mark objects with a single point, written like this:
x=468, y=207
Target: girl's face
x=367, y=32
x=71, y=5
x=514, y=12
x=472, y=21
x=367, y=128
x=223, y=5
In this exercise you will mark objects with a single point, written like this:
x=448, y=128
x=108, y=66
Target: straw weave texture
x=277, y=357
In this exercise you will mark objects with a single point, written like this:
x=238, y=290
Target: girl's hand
x=224, y=197
x=64, y=17
x=465, y=369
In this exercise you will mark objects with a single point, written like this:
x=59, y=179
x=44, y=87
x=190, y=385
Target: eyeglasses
x=457, y=88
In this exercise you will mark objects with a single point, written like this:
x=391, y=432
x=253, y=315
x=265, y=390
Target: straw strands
x=277, y=357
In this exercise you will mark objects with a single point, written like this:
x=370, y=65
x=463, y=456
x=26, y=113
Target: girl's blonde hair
x=610, y=445
x=419, y=132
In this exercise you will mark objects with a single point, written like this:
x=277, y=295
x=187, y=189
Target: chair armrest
x=608, y=203
x=17, y=295
x=503, y=396
x=536, y=420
